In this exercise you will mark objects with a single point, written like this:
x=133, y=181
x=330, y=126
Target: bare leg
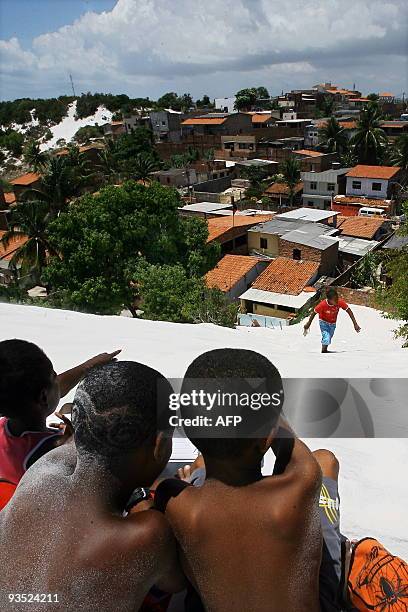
x=328, y=462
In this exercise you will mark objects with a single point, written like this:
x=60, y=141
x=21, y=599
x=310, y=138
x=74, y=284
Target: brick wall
x=360, y=297
x=327, y=259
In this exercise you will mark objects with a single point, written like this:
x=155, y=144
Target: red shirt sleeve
x=318, y=309
x=342, y=304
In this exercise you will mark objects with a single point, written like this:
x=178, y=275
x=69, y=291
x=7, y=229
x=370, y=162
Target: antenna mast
x=72, y=85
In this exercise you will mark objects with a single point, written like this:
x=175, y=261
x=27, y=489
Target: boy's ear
x=162, y=448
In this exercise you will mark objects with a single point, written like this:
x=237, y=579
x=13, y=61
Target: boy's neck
x=108, y=490
x=18, y=426
x=233, y=473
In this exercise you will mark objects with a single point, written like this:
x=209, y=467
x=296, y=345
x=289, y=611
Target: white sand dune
x=69, y=125
x=373, y=481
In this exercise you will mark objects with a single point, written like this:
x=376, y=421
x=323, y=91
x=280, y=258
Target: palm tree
x=290, y=171
x=34, y=157
x=143, y=165
x=109, y=164
x=59, y=182
x=399, y=153
x=370, y=141
x=29, y=220
x=333, y=136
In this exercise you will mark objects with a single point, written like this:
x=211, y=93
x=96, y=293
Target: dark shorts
x=330, y=568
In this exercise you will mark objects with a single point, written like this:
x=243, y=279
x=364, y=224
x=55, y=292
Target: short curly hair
x=25, y=371
x=116, y=408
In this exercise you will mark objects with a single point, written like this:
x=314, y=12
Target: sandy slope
x=373, y=481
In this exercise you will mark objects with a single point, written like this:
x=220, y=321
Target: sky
x=215, y=47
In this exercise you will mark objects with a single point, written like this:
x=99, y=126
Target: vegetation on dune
x=394, y=295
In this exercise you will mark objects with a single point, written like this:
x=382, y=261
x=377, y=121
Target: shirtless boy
x=248, y=542
x=64, y=533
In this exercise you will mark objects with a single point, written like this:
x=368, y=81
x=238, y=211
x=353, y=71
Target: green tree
x=370, y=140
x=13, y=141
x=290, y=170
x=365, y=273
x=104, y=237
x=262, y=92
x=170, y=100
x=326, y=106
x=333, y=137
x=86, y=133
x=399, y=152
x=34, y=157
x=109, y=164
x=394, y=295
x=60, y=181
x=143, y=165
x=245, y=99
x=373, y=97
x=29, y=220
x=169, y=294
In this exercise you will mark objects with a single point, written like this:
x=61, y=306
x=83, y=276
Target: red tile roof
x=359, y=227
x=260, y=117
x=309, y=153
x=386, y=94
x=360, y=201
x=7, y=252
x=282, y=189
x=285, y=275
x=226, y=227
x=373, y=172
x=348, y=125
x=26, y=179
x=9, y=197
x=204, y=121
x=229, y=270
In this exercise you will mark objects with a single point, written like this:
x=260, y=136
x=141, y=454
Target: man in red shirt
x=328, y=310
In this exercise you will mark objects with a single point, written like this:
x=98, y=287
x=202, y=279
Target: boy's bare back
x=57, y=539
x=255, y=547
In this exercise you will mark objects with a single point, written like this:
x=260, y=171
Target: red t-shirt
x=328, y=312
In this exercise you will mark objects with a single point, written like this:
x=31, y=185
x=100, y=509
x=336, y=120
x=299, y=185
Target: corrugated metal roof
x=280, y=299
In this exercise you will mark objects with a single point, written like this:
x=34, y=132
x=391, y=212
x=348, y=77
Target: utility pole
x=72, y=85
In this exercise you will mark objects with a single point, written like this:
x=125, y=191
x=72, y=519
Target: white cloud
x=146, y=48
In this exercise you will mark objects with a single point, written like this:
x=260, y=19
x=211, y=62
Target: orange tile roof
x=360, y=100
x=360, y=201
x=26, y=179
x=348, y=125
x=14, y=244
x=205, y=121
x=373, y=172
x=260, y=117
x=227, y=227
x=386, y=94
x=285, y=275
x=229, y=270
x=309, y=153
x=359, y=227
x=9, y=197
x=117, y=123
x=393, y=124
x=282, y=188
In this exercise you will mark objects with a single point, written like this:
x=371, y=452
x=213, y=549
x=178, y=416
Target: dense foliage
x=394, y=296
x=103, y=239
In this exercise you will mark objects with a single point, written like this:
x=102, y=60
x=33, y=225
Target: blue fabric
x=327, y=330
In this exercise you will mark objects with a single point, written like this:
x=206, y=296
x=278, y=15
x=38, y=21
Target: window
x=376, y=186
x=163, y=123
x=356, y=184
x=313, y=185
x=264, y=243
x=310, y=203
x=331, y=186
x=297, y=254
x=243, y=145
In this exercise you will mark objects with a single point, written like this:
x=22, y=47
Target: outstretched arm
x=69, y=379
x=309, y=321
x=353, y=318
